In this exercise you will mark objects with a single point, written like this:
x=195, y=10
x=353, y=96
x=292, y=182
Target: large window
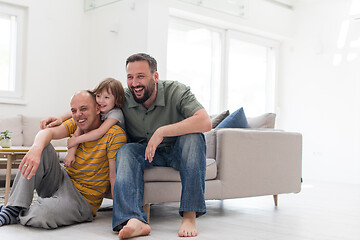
x=194, y=58
x=225, y=69
x=250, y=73
x=11, y=53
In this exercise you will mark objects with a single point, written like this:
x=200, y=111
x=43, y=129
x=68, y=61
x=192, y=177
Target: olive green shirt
x=174, y=102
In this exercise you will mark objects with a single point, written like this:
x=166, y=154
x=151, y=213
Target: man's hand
x=153, y=143
x=199, y=122
x=50, y=122
x=30, y=163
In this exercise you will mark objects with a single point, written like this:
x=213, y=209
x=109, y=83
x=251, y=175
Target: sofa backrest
x=14, y=125
x=31, y=126
x=24, y=129
x=266, y=120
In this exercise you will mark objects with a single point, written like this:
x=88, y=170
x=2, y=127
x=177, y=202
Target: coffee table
x=12, y=154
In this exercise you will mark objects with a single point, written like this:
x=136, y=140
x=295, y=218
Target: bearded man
x=164, y=123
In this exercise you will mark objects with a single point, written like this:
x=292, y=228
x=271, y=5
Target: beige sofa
x=249, y=162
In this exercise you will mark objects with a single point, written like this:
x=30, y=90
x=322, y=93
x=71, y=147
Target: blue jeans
x=188, y=156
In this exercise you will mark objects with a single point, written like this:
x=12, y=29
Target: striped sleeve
x=117, y=139
x=70, y=126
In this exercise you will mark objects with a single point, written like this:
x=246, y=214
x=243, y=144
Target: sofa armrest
x=258, y=162
x=210, y=138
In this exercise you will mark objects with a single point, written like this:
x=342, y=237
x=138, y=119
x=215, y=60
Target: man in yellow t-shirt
x=65, y=196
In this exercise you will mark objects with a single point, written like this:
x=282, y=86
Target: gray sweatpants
x=59, y=202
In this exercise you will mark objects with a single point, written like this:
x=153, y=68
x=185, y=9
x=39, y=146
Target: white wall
x=321, y=99
x=108, y=49
x=55, y=56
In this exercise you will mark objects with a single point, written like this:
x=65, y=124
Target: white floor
x=321, y=211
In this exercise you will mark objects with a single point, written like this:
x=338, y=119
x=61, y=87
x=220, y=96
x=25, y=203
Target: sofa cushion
x=168, y=174
x=235, y=120
x=266, y=120
x=216, y=119
x=31, y=126
x=14, y=125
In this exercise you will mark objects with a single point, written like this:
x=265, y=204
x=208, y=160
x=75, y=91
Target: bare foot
x=188, y=228
x=134, y=228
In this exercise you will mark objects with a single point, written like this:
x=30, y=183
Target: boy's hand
x=72, y=141
x=68, y=160
x=50, y=122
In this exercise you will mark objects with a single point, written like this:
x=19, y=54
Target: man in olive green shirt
x=164, y=122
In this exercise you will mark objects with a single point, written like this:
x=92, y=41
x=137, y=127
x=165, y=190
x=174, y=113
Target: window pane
x=247, y=77
x=193, y=58
x=196, y=57
x=5, y=40
x=12, y=29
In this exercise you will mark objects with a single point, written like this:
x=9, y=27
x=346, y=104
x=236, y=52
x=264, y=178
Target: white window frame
x=219, y=89
x=17, y=55
x=271, y=83
x=215, y=84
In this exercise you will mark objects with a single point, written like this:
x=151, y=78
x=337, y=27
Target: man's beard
x=148, y=91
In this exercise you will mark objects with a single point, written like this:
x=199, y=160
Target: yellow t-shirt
x=90, y=172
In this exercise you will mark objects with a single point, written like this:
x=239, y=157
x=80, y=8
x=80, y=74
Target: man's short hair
x=143, y=57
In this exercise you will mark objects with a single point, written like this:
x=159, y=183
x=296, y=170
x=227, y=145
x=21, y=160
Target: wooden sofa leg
x=276, y=200
x=146, y=208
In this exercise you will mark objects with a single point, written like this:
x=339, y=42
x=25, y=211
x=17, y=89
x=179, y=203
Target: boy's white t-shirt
x=115, y=113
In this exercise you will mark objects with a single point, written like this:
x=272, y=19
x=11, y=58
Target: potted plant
x=5, y=139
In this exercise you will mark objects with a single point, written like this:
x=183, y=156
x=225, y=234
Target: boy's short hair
x=114, y=87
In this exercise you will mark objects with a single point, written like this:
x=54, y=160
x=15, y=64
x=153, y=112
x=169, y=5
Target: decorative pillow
x=266, y=120
x=215, y=120
x=235, y=120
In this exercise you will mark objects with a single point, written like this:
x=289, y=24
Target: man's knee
x=194, y=142
x=128, y=155
x=49, y=150
x=49, y=155
x=129, y=150
x=193, y=150
x=126, y=149
x=193, y=139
